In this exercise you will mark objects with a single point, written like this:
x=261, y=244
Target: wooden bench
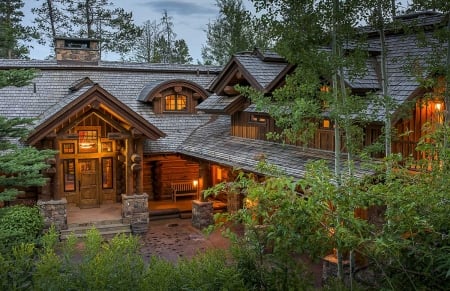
x=183, y=189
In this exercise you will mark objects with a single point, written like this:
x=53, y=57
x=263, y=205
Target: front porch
x=161, y=209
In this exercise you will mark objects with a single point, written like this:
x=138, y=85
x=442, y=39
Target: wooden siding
x=161, y=171
x=243, y=126
x=410, y=131
x=90, y=120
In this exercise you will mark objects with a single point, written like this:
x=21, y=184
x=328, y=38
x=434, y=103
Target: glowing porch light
x=438, y=106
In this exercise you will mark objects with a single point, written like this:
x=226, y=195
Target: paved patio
x=171, y=239
x=174, y=239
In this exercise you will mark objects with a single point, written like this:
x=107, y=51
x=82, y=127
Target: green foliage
x=17, y=267
x=13, y=35
x=99, y=19
x=19, y=224
x=16, y=77
x=233, y=31
x=207, y=271
x=158, y=43
x=19, y=166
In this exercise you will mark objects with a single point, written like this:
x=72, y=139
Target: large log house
x=129, y=128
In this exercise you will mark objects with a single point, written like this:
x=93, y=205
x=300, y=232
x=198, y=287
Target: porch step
x=186, y=214
x=169, y=213
x=107, y=228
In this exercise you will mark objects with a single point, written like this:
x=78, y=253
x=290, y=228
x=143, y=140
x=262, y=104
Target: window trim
x=69, y=171
x=259, y=119
x=176, y=97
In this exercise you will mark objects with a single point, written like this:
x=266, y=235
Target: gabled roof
x=50, y=91
x=90, y=96
x=259, y=69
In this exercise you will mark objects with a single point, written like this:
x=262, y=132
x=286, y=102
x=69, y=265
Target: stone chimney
x=77, y=50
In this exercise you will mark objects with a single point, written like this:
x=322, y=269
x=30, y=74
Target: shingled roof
x=53, y=89
x=213, y=142
x=260, y=68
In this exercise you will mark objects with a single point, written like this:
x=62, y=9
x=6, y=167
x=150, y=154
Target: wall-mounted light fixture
x=438, y=106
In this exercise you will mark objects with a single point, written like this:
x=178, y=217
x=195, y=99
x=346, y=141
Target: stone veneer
x=135, y=208
x=54, y=212
x=202, y=214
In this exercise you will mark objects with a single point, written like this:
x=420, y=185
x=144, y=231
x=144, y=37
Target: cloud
x=179, y=7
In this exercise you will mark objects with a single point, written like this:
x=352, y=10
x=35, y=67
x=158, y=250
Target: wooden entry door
x=88, y=183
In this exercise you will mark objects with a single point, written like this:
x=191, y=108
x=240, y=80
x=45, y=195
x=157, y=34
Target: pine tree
x=20, y=165
x=233, y=31
x=52, y=20
x=181, y=52
x=98, y=19
x=14, y=35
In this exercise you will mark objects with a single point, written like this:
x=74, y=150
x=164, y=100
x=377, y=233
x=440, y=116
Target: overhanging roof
x=94, y=96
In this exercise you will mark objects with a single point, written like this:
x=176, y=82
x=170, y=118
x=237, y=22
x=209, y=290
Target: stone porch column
x=202, y=214
x=54, y=212
x=135, y=209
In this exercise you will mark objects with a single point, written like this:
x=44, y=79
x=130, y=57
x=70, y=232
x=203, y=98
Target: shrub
x=19, y=224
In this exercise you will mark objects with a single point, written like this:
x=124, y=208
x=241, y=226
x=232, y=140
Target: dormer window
x=175, y=102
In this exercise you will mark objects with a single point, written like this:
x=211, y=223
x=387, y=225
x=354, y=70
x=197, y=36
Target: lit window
x=258, y=118
x=107, y=173
x=175, y=103
x=326, y=123
x=87, y=141
x=69, y=175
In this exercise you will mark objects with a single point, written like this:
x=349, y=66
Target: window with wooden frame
x=326, y=124
x=87, y=141
x=258, y=118
x=175, y=102
x=68, y=148
x=107, y=173
x=69, y=175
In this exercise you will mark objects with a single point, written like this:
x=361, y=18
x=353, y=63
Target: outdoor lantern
x=438, y=106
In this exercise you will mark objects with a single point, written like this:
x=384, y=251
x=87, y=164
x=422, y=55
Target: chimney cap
x=75, y=38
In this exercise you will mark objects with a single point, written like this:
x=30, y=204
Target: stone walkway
x=173, y=239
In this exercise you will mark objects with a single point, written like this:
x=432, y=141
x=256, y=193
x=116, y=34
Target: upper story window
x=175, y=102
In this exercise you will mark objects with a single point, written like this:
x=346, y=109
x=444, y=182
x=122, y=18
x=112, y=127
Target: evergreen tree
x=233, y=31
x=167, y=38
x=98, y=19
x=20, y=166
x=181, y=52
x=13, y=35
x=52, y=20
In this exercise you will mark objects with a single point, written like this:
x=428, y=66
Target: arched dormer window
x=175, y=102
x=173, y=96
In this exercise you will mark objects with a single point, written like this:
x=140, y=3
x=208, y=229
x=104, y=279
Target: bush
x=19, y=224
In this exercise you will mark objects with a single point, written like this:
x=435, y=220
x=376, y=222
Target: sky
x=190, y=19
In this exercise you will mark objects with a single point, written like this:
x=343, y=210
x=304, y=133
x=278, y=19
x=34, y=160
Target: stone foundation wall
x=202, y=214
x=135, y=208
x=330, y=269
x=54, y=212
